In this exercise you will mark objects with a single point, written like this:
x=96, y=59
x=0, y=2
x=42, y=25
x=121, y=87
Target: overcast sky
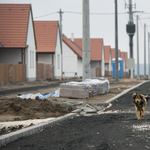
x=101, y=25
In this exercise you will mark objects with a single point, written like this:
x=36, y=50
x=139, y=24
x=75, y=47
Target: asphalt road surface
x=117, y=128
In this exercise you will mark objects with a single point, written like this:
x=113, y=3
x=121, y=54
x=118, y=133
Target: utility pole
x=130, y=30
x=137, y=17
x=144, y=50
x=149, y=55
x=116, y=43
x=60, y=15
x=86, y=60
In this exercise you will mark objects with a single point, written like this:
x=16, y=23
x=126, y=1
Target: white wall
x=110, y=66
x=57, y=58
x=30, y=59
x=45, y=58
x=10, y=56
x=102, y=64
x=106, y=66
x=70, y=62
x=80, y=67
x=95, y=64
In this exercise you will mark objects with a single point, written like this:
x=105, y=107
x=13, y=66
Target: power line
x=95, y=13
x=78, y=13
x=45, y=15
x=90, y=13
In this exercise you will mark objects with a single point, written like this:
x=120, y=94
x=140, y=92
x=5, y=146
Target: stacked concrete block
x=101, y=84
x=72, y=90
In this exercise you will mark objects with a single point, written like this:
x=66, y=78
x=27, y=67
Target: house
x=97, y=55
x=17, y=37
x=126, y=57
x=123, y=58
x=108, y=66
x=49, y=45
x=113, y=53
x=72, y=58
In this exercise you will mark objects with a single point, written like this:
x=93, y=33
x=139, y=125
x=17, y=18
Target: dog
x=140, y=102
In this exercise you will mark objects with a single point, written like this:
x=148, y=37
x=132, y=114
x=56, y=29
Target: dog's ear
x=134, y=95
x=147, y=98
x=142, y=96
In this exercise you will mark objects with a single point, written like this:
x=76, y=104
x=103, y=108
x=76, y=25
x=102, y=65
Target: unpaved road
x=115, y=129
x=13, y=109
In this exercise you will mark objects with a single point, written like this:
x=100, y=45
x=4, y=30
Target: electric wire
x=45, y=15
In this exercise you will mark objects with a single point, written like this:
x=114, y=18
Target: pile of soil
x=15, y=109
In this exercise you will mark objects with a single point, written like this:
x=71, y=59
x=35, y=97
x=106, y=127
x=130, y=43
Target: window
x=31, y=59
x=58, y=61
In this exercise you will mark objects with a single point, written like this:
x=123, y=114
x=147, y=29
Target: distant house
x=126, y=57
x=123, y=58
x=17, y=37
x=108, y=66
x=113, y=53
x=72, y=58
x=48, y=44
x=97, y=55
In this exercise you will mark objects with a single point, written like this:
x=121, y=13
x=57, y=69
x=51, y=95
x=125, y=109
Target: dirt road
x=115, y=129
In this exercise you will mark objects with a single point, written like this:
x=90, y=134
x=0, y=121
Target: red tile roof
x=96, y=45
x=123, y=55
x=13, y=24
x=107, y=53
x=46, y=35
x=119, y=53
x=75, y=48
x=113, y=53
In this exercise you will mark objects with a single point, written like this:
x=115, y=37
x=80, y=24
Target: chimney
x=72, y=37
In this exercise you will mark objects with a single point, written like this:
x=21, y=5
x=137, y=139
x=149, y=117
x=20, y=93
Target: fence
x=12, y=73
x=44, y=71
x=126, y=75
x=95, y=72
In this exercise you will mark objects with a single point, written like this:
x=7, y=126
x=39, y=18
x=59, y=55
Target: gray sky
x=101, y=26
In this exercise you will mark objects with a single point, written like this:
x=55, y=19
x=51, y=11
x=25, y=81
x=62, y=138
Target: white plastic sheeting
x=75, y=89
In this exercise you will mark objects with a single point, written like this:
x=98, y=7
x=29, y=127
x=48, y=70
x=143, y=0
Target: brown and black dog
x=140, y=102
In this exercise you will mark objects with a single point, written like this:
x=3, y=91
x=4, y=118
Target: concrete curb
x=8, y=138
x=118, y=96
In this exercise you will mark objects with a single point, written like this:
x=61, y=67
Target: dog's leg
x=142, y=112
x=138, y=113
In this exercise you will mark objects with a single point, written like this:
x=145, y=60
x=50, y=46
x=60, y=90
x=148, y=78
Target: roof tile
x=75, y=48
x=46, y=35
x=107, y=50
x=13, y=25
x=96, y=45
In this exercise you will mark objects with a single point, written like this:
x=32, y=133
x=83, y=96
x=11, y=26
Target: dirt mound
x=22, y=109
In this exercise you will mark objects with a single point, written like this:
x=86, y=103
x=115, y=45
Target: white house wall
x=80, y=67
x=95, y=64
x=57, y=58
x=10, y=56
x=30, y=52
x=45, y=58
x=106, y=66
x=110, y=66
x=102, y=64
x=70, y=62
